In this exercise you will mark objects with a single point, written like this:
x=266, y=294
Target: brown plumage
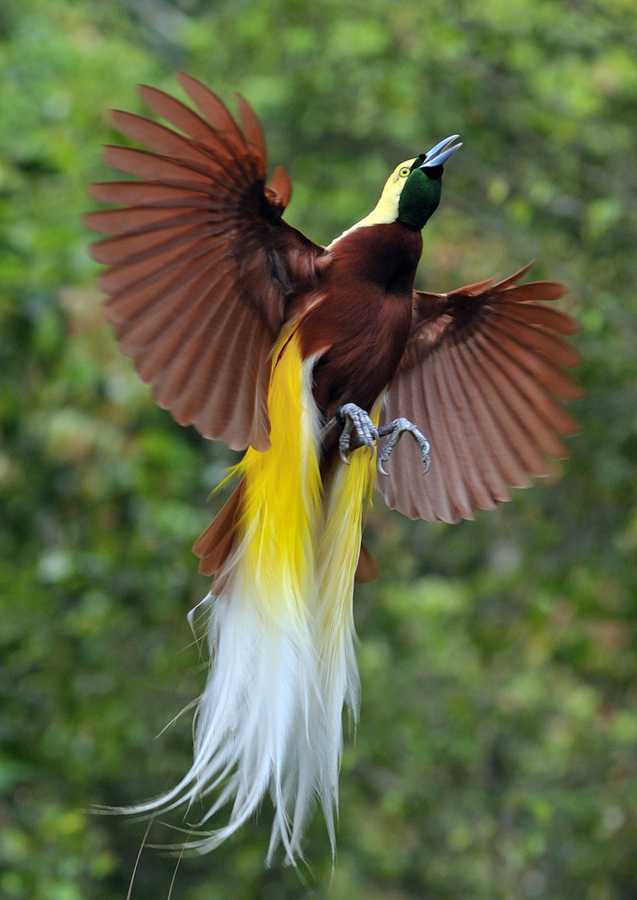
x=362, y=324
x=201, y=264
x=482, y=371
x=204, y=272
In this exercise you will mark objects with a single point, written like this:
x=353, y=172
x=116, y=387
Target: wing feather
x=151, y=195
x=465, y=478
x=503, y=411
x=201, y=264
x=482, y=375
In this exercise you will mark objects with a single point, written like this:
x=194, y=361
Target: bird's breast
x=360, y=328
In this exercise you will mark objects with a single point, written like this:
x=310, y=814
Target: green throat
x=420, y=198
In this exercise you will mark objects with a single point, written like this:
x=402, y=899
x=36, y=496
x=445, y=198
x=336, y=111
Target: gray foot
x=395, y=430
x=358, y=421
x=358, y=424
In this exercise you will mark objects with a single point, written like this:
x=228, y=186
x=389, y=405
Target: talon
x=395, y=430
x=345, y=439
x=355, y=419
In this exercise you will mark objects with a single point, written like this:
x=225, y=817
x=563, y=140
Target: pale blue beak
x=439, y=154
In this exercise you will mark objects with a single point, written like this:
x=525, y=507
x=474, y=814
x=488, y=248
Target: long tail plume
x=281, y=633
x=347, y=498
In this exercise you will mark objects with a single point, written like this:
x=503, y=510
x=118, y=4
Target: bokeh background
x=496, y=756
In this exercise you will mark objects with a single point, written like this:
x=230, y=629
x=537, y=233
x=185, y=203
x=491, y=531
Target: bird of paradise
x=315, y=361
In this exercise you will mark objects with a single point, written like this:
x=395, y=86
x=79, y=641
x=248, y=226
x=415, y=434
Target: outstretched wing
x=200, y=261
x=481, y=376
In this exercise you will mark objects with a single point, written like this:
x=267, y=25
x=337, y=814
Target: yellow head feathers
x=386, y=210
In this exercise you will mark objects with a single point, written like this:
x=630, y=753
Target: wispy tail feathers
x=281, y=632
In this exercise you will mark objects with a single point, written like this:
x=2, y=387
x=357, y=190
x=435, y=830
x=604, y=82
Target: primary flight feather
x=306, y=357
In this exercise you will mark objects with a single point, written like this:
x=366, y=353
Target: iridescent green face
x=420, y=196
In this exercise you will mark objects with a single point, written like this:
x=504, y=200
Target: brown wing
x=481, y=376
x=200, y=261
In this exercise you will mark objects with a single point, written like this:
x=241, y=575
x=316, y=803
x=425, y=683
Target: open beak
x=439, y=154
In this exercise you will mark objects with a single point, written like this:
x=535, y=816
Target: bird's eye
x=404, y=172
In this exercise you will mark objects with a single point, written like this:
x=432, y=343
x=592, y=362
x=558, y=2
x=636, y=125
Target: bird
x=337, y=378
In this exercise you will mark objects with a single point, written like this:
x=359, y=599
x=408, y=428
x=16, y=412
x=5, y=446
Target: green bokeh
x=496, y=755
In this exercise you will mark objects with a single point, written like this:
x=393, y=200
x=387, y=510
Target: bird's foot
x=395, y=430
x=355, y=420
x=358, y=425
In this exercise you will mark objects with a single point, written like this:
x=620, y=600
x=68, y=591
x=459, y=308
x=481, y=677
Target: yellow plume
x=283, y=486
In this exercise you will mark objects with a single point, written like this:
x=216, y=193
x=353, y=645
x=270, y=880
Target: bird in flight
x=335, y=376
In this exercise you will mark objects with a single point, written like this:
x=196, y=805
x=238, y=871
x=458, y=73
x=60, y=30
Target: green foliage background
x=497, y=752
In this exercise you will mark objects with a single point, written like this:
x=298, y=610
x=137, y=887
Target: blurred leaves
x=497, y=750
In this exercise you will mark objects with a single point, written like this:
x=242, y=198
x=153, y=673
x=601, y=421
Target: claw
x=344, y=441
x=356, y=419
x=395, y=430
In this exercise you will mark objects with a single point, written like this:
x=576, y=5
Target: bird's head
x=412, y=192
